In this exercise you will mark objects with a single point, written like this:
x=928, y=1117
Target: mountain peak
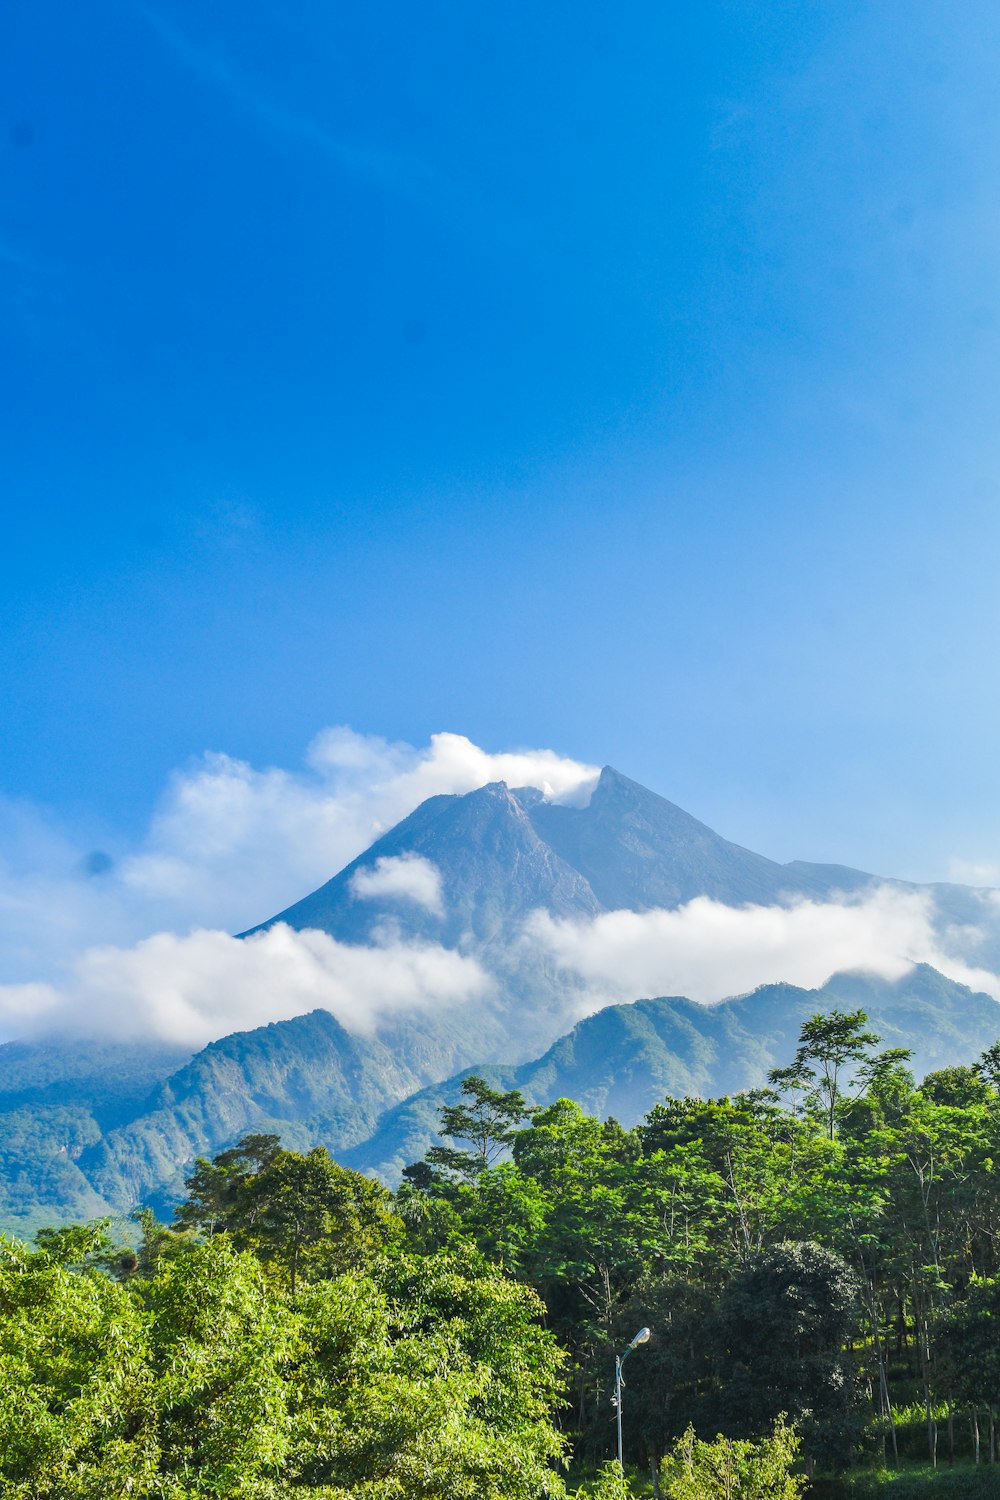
x=613, y=784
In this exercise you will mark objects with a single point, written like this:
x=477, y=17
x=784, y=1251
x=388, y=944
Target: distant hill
x=57, y=1099
x=307, y=1079
x=627, y=1058
x=311, y=1082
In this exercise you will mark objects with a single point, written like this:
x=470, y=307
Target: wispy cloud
x=402, y=877
x=399, y=172
x=973, y=872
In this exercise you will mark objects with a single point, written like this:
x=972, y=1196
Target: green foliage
x=932, y=1484
x=302, y=1214
x=725, y=1470
x=610, y=1484
x=968, y=1339
x=788, y=1260
x=75, y=1382
x=207, y=1380
x=781, y=1327
x=487, y=1118
x=443, y=1382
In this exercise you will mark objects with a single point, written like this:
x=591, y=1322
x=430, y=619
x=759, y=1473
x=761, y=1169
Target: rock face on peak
x=638, y=851
x=494, y=870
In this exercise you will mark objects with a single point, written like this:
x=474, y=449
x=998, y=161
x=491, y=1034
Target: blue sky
x=624, y=383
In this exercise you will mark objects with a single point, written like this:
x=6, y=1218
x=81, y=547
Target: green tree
x=782, y=1329
x=304, y=1214
x=310, y=1216
x=487, y=1118
x=828, y=1044
x=76, y=1409
x=214, y=1187
x=734, y=1470
x=220, y=1349
x=966, y=1337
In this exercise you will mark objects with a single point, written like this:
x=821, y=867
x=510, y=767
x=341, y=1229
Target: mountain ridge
x=625, y=1058
x=311, y=1082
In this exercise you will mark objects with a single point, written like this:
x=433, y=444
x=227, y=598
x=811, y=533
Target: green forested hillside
x=623, y=1060
x=57, y=1099
x=308, y=1078
x=86, y=1129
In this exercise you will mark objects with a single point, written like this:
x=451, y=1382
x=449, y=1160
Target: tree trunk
x=654, y=1470
x=993, y=1434
x=951, y=1433
x=975, y=1433
x=883, y=1378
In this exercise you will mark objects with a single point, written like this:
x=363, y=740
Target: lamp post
x=640, y=1338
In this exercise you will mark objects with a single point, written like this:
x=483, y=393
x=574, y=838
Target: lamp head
x=641, y=1337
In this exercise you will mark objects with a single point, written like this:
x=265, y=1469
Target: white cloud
x=406, y=877
x=706, y=950
x=194, y=989
x=230, y=844
x=973, y=872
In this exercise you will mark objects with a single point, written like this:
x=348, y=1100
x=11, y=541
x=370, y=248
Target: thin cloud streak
x=402, y=174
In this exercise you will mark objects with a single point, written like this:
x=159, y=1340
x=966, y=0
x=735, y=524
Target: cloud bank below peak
x=708, y=951
x=194, y=989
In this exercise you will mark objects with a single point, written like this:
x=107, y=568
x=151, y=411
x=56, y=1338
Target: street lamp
x=640, y=1338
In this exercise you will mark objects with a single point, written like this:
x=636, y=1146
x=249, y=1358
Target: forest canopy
x=819, y=1262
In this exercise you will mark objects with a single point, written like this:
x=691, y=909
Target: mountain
x=87, y=1127
x=627, y=1058
x=501, y=854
